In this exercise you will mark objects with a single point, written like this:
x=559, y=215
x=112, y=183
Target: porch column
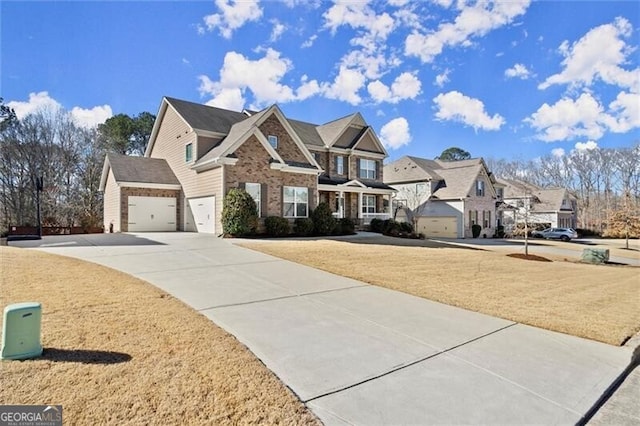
x=359, y=205
x=390, y=207
x=341, y=202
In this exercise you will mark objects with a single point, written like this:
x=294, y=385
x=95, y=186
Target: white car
x=564, y=234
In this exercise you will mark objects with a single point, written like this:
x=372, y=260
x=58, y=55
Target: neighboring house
x=546, y=208
x=196, y=153
x=443, y=199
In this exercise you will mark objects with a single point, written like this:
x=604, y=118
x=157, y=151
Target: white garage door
x=204, y=214
x=438, y=227
x=152, y=214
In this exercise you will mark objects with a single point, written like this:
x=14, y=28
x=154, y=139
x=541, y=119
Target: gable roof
x=204, y=117
x=137, y=169
x=455, y=178
x=410, y=169
x=329, y=132
x=458, y=181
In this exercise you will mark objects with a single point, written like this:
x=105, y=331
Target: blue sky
x=514, y=80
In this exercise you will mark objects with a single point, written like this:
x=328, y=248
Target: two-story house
x=443, y=199
x=545, y=208
x=196, y=153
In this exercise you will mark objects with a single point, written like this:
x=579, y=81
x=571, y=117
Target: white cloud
x=454, y=106
x=568, y=119
x=599, y=54
x=398, y=3
x=557, y=152
x=41, y=101
x=624, y=113
x=262, y=77
x=91, y=117
x=518, y=70
x=358, y=15
x=443, y=78
x=345, y=87
x=585, y=117
x=586, y=146
x=234, y=14
x=395, y=133
x=277, y=31
x=309, y=42
x=371, y=65
x=474, y=20
x=37, y=101
x=405, y=86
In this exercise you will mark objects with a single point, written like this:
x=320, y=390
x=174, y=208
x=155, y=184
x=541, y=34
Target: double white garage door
x=438, y=226
x=158, y=214
x=152, y=214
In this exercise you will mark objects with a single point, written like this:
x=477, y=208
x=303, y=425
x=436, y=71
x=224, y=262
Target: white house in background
x=443, y=199
x=552, y=207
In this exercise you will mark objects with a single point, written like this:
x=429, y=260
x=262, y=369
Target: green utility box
x=21, y=331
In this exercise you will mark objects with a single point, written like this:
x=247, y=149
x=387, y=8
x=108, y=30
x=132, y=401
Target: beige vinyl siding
x=111, y=203
x=171, y=147
x=210, y=183
x=367, y=144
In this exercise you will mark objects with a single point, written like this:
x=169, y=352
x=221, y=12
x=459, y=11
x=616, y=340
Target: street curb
x=633, y=346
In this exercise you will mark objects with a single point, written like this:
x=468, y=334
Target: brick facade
x=254, y=166
x=287, y=148
x=125, y=193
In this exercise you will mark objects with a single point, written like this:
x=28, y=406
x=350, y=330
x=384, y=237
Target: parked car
x=564, y=234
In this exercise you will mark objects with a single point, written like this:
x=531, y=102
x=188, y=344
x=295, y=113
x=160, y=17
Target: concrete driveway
x=359, y=354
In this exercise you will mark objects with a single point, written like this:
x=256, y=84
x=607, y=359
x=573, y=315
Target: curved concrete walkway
x=360, y=354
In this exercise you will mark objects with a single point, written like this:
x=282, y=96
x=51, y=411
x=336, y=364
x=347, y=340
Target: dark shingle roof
x=325, y=180
x=205, y=117
x=307, y=132
x=141, y=169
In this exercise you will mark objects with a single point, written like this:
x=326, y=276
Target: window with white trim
x=479, y=188
x=255, y=190
x=188, y=153
x=368, y=204
x=367, y=169
x=273, y=141
x=340, y=165
x=295, y=201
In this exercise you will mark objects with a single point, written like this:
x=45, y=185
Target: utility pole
x=39, y=187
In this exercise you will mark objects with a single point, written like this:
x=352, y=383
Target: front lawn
x=119, y=351
x=597, y=302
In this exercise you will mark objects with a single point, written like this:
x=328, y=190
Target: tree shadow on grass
x=84, y=356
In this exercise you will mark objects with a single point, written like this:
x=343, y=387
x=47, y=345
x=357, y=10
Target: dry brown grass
x=596, y=302
x=120, y=351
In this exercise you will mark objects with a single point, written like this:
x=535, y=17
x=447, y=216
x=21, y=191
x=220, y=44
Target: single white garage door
x=438, y=227
x=204, y=214
x=152, y=214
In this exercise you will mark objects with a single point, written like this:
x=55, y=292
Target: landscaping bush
x=239, y=213
x=588, y=232
x=475, y=230
x=406, y=227
x=323, y=220
x=499, y=232
x=347, y=226
x=303, y=227
x=376, y=225
x=276, y=226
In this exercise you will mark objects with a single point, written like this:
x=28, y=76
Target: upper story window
x=254, y=189
x=479, y=188
x=500, y=192
x=273, y=141
x=340, y=165
x=188, y=153
x=367, y=169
